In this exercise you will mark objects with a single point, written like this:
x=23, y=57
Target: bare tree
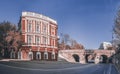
x=14, y=40
x=64, y=43
x=66, y=39
x=117, y=26
x=69, y=43
x=76, y=45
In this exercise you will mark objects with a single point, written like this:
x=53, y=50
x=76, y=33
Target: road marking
x=48, y=69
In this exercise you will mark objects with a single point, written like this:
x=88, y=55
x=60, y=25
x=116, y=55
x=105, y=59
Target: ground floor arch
x=89, y=58
x=103, y=59
x=76, y=57
x=30, y=55
x=12, y=54
x=83, y=56
x=86, y=58
x=19, y=55
x=38, y=55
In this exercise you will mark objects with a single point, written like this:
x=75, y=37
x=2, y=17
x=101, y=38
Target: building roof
x=33, y=14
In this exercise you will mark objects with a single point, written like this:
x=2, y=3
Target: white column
x=21, y=55
x=53, y=54
x=48, y=40
x=39, y=40
x=54, y=43
x=18, y=55
x=14, y=54
x=34, y=24
x=25, y=38
x=41, y=27
x=33, y=39
x=11, y=55
x=46, y=54
x=26, y=22
x=48, y=29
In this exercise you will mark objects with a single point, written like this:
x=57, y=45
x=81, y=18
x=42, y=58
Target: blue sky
x=87, y=21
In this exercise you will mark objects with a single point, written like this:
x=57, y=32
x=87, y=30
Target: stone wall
x=84, y=55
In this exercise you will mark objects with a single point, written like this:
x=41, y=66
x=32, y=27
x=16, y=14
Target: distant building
x=105, y=45
x=39, y=34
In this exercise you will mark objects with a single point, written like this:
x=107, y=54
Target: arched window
x=53, y=55
x=19, y=54
x=45, y=55
x=12, y=54
x=30, y=55
x=38, y=55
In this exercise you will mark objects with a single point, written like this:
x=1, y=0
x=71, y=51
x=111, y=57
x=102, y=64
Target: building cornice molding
x=36, y=15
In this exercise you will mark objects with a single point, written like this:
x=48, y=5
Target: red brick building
x=39, y=34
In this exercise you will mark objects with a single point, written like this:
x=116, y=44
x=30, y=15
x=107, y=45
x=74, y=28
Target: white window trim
x=30, y=53
x=29, y=23
x=19, y=55
x=44, y=40
x=38, y=27
x=45, y=53
x=38, y=53
x=12, y=54
x=29, y=39
x=37, y=42
x=53, y=54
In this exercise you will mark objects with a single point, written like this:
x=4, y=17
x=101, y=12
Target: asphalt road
x=36, y=67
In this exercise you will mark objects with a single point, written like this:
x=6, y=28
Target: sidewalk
x=14, y=60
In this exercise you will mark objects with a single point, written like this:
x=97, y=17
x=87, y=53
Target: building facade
x=39, y=34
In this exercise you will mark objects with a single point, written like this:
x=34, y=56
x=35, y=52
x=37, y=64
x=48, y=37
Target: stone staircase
x=65, y=57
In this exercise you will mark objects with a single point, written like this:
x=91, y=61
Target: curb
x=13, y=60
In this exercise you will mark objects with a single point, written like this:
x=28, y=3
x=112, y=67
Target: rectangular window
x=29, y=26
x=52, y=31
x=44, y=27
x=44, y=40
x=29, y=39
x=37, y=40
x=38, y=27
